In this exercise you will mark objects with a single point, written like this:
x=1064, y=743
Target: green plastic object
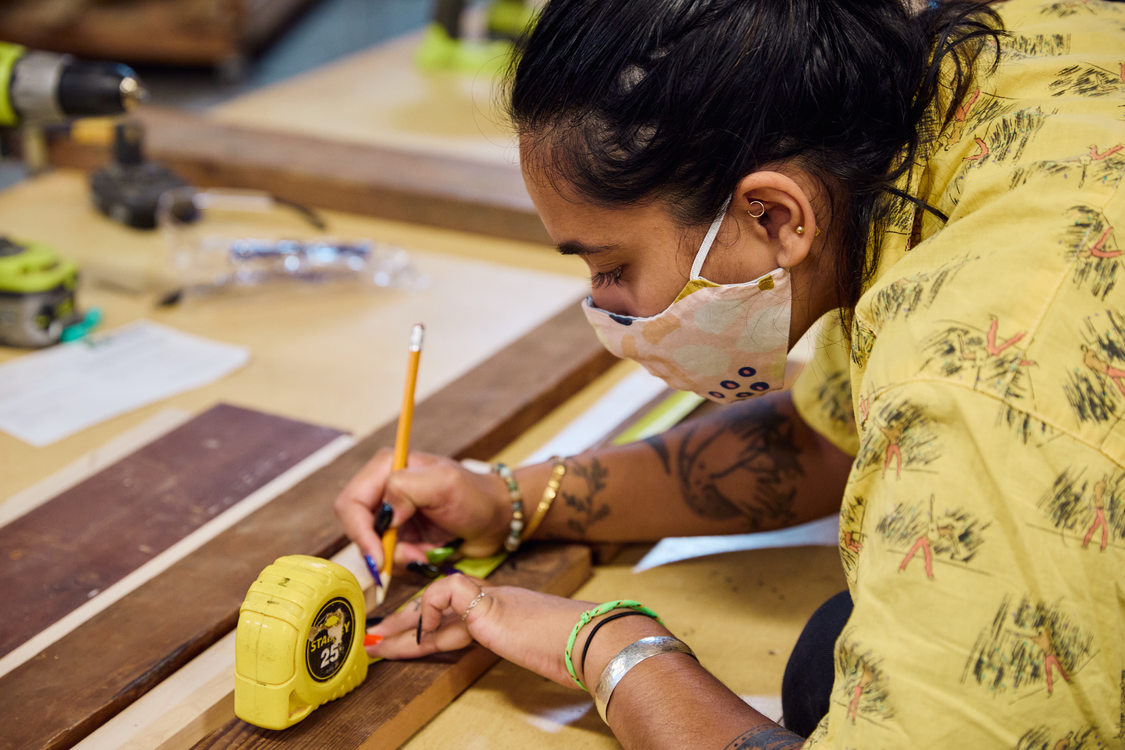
x=30, y=267
x=9, y=54
x=509, y=19
x=440, y=52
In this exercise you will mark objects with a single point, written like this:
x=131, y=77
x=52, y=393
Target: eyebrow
x=573, y=247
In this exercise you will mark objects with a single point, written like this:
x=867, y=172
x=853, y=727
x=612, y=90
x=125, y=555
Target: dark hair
x=628, y=100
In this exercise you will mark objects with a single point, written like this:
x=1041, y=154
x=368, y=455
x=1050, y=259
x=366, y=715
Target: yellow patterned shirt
x=982, y=393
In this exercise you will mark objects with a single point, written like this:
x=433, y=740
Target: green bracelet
x=590, y=614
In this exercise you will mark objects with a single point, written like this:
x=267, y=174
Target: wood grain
x=89, y=537
x=73, y=686
x=421, y=188
x=398, y=698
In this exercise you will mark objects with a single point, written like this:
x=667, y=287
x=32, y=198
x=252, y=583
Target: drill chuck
x=45, y=87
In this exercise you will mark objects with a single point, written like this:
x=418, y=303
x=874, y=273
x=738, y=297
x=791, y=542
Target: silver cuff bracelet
x=629, y=657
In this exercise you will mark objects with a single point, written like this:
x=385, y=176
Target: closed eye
x=606, y=278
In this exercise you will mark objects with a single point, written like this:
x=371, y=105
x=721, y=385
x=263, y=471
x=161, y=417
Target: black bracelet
x=594, y=631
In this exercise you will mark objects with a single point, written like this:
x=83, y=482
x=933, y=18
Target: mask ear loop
x=708, y=239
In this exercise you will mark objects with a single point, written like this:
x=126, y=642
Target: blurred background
x=194, y=54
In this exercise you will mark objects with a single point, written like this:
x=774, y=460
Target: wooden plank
x=187, y=32
x=73, y=547
x=430, y=189
x=73, y=686
x=398, y=698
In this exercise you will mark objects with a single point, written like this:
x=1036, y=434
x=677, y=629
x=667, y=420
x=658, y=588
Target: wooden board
x=450, y=192
x=76, y=545
x=73, y=686
x=398, y=698
x=186, y=32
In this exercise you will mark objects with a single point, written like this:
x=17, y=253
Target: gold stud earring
x=761, y=208
x=799, y=230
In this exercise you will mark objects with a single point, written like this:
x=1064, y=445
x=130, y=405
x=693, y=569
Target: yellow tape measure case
x=299, y=642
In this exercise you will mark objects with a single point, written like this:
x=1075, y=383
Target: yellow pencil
x=402, y=448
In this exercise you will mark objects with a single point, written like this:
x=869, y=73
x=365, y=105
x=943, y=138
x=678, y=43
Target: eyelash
x=607, y=278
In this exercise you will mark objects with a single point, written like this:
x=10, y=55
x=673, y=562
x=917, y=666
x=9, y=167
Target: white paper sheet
x=48, y=395
x=824, y=532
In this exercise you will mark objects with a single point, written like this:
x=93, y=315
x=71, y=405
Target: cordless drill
x=37, y=286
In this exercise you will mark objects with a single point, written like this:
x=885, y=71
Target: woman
x=946, y=185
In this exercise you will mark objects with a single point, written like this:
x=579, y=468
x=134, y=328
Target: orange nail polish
x=372, y=640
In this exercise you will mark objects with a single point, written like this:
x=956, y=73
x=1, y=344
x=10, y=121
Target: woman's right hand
x=435, y=500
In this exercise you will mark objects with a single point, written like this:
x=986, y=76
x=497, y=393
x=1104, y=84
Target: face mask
x=726, y=343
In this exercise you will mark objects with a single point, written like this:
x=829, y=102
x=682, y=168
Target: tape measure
x=299, y=642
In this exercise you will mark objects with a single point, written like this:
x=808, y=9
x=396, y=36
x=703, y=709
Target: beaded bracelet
x=558, y=471
x=512, y=543
x=590, y=614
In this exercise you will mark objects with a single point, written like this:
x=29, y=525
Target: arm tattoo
x=587, y=511
x=752, y=474
x=657, y=443
x=766, y=737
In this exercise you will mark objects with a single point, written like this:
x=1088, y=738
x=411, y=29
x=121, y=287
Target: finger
x=355, y=504
x=401, y=620
x=433, y=619
x=449, y=595
x=358, y=524
x=451, y=635
x=427, y=483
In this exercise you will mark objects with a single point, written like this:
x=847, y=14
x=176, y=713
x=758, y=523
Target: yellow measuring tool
x=299, y=641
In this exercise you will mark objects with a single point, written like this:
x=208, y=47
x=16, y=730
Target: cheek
x=614, y=299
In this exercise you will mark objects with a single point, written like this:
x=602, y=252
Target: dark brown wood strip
x=398, y=698
x=72, y=687
x=63, y=553
x=435, y=190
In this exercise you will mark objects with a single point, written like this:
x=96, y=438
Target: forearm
x=671, y=701
x=754, y=466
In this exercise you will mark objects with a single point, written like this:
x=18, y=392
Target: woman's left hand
x=522, y=626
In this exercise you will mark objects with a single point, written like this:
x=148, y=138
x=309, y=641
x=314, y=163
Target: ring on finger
x=472, y=604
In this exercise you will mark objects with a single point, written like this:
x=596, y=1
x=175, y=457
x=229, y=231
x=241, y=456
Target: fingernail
x=373, y=569
x=423, y=569
x=383, y=518
x=418, y=633
x=370, y=639
x=374, y=620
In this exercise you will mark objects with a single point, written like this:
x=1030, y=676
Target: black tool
x=129, y=188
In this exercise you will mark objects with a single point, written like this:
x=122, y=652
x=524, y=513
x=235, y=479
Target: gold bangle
x=558, y=471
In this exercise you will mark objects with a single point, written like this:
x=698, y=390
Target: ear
x=787, y=222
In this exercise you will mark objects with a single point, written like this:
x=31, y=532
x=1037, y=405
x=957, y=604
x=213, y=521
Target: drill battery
x=37, y=294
